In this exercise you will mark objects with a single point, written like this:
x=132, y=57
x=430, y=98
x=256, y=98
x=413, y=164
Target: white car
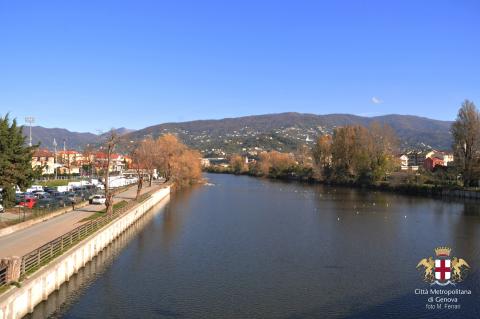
x=1, y=208
x=98, y=199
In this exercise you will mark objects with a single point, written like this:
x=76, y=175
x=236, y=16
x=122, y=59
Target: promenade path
x=24, y=241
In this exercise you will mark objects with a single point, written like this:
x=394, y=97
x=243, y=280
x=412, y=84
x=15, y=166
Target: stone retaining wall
x=17, y=302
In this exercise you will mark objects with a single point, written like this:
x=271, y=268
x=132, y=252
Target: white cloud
x=376, y=100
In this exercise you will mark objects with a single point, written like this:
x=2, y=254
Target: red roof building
x=431, y=162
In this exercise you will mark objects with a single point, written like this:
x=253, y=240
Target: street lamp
x=30, y=120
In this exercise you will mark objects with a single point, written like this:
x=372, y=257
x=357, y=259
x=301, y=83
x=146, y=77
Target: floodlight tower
x=30, y=120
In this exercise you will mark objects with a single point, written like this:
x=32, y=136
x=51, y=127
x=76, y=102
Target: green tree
x=466, y=136
x=357, y=153
x=15, y=160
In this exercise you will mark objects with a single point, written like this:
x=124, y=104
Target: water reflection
x=68, y=293
x=174, y=215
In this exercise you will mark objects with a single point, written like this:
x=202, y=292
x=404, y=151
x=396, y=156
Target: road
x=24, y=241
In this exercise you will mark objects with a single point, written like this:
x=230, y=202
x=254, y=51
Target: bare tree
x=137, y=166
x=143, y=161
x=89, y=158
x=111, y=142
x=149, y=153
x=466, y=136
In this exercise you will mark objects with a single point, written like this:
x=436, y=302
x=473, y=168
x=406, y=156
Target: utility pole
x=67, y=157
x=30, y=120
x=55, y=160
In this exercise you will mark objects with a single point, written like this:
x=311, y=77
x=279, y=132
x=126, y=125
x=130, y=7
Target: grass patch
x=4, y=288
x=119, y=205
x=55, y=182
x=94, y=216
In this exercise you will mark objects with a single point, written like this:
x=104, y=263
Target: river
x=252, y=248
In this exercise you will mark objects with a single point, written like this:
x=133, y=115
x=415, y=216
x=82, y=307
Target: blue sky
x=92, y=65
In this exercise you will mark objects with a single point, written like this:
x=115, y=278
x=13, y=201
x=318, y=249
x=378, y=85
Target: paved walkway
x=24, y=241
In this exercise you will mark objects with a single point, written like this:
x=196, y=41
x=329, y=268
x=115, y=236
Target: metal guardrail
x=3, y=275
x=44, y=254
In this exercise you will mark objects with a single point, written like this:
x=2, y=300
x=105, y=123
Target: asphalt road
x=24, y=241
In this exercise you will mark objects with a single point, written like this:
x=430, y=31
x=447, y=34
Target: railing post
x=12, y=266
x=22, y=272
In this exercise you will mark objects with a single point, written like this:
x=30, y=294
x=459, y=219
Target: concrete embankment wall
x=18, y=302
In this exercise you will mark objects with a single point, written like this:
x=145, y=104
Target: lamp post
x=30, y=120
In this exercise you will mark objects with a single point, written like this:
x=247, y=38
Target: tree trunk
x=139, y=187
x=109, y=203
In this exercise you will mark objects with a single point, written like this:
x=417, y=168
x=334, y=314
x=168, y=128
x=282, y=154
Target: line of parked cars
x=50, y=198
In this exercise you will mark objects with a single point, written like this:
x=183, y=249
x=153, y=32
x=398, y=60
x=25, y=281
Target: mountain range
x=73, y=140
x=283, y=131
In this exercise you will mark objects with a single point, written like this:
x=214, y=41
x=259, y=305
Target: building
x=416, y=158
x=118, y=163
x=409, y=160
x=133, y=173
x=69, y=169
x=446, y=157
x=70, y=157
x=403, y=162
x=431, y=162
x=45, y=160
x=205, y=162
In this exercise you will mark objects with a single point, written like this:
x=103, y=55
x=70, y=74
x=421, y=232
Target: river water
x=253, y=248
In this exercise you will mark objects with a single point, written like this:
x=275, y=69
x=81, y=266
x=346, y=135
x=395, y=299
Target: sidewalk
x=28, y=239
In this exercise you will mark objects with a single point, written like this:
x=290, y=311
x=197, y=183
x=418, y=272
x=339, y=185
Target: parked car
x=18, y=198
x=43, y=196
x=73, y=197
x=46, y=203
x=1, y=209
x=98, y=199
x=50, y=189
x=63, y=200
x=28, y=202
x=90, y=198
x=35, y=188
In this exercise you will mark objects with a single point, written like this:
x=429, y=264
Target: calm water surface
x=252, y=248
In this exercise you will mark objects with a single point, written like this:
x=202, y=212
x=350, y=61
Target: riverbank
x=407, y=189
